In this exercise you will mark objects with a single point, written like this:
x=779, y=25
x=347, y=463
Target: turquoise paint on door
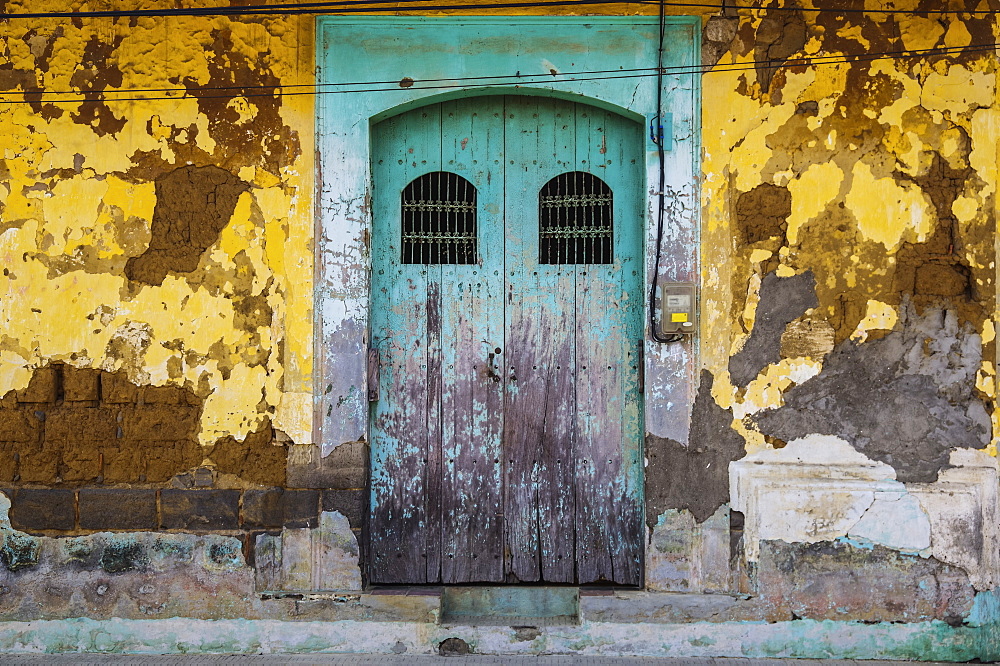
x=506, y=433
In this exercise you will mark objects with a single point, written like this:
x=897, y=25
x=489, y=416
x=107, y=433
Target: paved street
x=401, y=660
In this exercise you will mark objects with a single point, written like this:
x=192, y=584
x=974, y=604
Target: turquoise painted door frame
x=506, y=438
x=455, y=50
x=516, y=55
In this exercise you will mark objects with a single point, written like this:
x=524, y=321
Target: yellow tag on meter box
x=678, y=317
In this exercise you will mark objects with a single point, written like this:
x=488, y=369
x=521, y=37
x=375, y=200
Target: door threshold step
x=510, y=606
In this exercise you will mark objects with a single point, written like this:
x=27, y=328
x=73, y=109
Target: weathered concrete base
x=933, y=641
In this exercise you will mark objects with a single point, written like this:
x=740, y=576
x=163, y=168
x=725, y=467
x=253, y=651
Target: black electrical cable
x=339, y=6
x=497, y=80
x=395, y=82
x=657, y=135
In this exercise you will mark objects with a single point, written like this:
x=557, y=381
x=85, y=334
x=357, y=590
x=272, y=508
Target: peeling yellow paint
x=878, y=317
x=901, y=209
x=918, y=32
x=811, y=192
x=958, y=91
x=65, y=239
x=765, y=391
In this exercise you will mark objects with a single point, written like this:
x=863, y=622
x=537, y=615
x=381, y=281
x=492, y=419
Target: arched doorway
x=507, y=309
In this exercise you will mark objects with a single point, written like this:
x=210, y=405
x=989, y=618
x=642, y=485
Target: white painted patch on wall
x=324, y=558
x=819, y=488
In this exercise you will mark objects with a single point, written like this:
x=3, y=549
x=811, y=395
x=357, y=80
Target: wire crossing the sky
x=502, y=80
x=353, y=6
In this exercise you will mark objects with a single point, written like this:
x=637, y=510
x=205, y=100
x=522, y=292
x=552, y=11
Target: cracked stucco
x=77, y=181
x=891, y=170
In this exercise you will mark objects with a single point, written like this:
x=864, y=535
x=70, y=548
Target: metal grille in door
x=574, y=220
x=439, y=220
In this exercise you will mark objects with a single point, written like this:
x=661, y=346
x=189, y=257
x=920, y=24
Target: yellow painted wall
x=78, y=200
x=854, y=148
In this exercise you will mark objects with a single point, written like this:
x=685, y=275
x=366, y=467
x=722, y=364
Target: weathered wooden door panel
x=436, y=484
x=506, y=439
x=472, y=406
x=608, y=326
x=540, y=408
x=402, y=550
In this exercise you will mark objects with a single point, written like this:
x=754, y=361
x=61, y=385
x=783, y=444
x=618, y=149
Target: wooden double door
x=506, y=406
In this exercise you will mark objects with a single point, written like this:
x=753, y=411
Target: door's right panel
x=540, y=402
x=608, y=329
x=573, y=424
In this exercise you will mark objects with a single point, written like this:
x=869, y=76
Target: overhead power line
x=337, y=6
x=353, y=6
x=507, y=80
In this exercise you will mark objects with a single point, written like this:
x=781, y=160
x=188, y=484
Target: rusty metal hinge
x=373, y=374
x=641, y=363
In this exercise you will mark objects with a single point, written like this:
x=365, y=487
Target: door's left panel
x=435, y=427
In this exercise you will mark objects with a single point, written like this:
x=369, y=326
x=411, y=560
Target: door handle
x=492, y=369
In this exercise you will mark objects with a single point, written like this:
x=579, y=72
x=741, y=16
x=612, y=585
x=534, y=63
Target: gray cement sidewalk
x=406, y=660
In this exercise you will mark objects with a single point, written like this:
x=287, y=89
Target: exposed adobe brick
x=43, y=386
x=43, y=509
x=117, y=509
x=158, y=422
x=117, y=389
x=81, y=424
x=199, y=509
x=81, y=384
x=80, y=465
x=18, y=426
x=350, y=503
x=168, y=395
x=257, y=459
x=39, y=464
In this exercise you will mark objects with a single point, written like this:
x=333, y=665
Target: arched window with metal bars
x=439, y=220
x=575, y=220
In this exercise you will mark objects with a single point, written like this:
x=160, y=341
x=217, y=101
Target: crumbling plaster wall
x=874, y=179
x=848, y=244
x=169, y=241
x=167, y=238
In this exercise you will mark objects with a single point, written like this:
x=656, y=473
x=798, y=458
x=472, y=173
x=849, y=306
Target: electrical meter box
x=678, y=308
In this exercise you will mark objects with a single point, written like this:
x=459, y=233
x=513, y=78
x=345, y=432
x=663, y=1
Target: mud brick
x=117, y=509
x=123, y=464
x=161, y=422
x=199, y=509
x=263, y=507
x=36, y=509
x=8, y=465
x=83, y=464
x=81, y=384
x=165, y=395
x=350, y=503
x=43, y=386
x=164, y=460
x=18, y=426
x=81, y=424
x=39, y=465
x=117, y=389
